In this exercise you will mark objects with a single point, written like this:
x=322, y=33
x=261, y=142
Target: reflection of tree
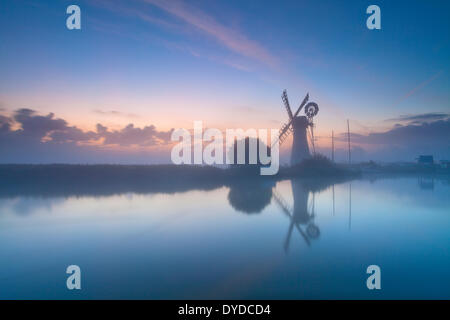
x=250, y=196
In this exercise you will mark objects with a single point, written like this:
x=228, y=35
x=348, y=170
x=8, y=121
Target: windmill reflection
x=302, y=214
x=252, y=196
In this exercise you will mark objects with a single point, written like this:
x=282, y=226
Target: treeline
x=61, y=179
x=98, y=180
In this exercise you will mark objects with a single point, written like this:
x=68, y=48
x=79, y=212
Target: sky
x=114, y=90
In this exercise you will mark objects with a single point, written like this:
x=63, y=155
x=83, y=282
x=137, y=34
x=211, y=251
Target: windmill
x=299, y=125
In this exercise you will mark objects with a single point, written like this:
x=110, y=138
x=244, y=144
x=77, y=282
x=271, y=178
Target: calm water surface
x=282, y=241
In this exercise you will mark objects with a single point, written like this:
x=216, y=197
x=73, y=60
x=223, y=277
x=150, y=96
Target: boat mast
x=348, y=139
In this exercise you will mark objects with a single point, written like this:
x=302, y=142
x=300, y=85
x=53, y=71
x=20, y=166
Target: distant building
x=425, y=160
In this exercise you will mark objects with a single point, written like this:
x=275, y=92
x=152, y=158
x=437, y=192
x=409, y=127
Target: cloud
x=36, y=126
x=5, y=124
x=230, y=38
x=199, y=21
x=435, y=133
x=420, y=86
x=405, y=142
x=114, y=113
x=424, y=117
x=182, y=18
x=26, y=135
x=131, y=135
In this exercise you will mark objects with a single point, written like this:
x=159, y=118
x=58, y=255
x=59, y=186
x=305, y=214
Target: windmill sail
x=286, y=129
x=305, y=100
x=286, y=104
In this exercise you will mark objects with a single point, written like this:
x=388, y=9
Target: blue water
x=227, y=244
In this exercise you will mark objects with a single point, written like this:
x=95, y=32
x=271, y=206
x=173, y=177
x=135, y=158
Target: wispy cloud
x=115, y=113
x=419, y=87
x=234, y=40
x=189, y=21
x=431, y=116
x=125, y=9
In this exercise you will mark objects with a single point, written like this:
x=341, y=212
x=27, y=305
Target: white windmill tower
x=299, y=125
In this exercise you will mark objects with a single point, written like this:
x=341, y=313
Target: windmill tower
x=299, y=125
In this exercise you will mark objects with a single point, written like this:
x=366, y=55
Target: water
x=233, y=243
